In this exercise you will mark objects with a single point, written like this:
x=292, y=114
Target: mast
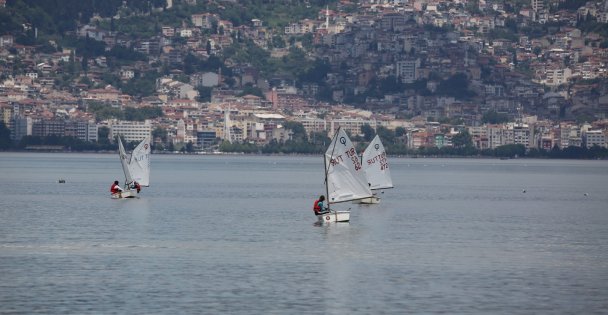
x=327, y=18
x=327, y=167
x=227, y=127
x=123, y=161
x=326, y=187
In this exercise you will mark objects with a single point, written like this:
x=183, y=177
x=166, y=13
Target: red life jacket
x=316, y=207
x=114, y=189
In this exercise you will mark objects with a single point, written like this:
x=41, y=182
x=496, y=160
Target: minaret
x=327, y=18
x=466, y=55
x=227, y=127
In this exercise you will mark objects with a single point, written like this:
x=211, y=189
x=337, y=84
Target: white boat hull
x=335, y=216
x=368, y=201
x=126, y=194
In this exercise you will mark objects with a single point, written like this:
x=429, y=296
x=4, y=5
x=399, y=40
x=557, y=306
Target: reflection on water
x=236, y=235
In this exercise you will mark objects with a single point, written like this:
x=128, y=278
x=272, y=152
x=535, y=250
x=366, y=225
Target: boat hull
x=335, y=216
x=368, y=201
x=126, y=194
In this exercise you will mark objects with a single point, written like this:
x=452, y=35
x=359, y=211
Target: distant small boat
x=61, y=181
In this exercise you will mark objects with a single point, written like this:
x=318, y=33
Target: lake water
x=235, y=235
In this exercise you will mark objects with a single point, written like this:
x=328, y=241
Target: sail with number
x=139, y=164
x=344, y=174
x=375, y=165
x=136, y=166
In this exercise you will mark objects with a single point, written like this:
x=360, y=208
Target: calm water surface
x=235, y=234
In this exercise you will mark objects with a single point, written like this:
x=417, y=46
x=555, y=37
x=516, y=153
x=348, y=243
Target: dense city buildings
x=533, y=73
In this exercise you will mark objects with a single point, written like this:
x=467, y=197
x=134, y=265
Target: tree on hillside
x=204, y=93
x=160, y=133
x=141, y=86
x=317, y=73
x=249, y=89
x=462, y=140
x=5, y=137
x=400, y=132
x=299, y=133
x=493, y=117
x=391, y=84
x=385, y=134
x=368, y=132
x=456, y=86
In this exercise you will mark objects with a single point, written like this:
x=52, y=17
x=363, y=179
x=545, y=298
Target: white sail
x=139, y=164
x=344, y=173
x=375, y=166
x=124, y=161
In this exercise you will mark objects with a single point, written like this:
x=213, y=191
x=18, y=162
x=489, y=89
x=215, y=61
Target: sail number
x=380, y=158
x=352, y=154
x=141, y=157
x=335, y=161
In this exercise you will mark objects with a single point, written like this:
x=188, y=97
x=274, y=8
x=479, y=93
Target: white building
x=130, y=130
x=522, y=134
x=350, y=125
x=557, y=76
x=6, y=41
x=83, y=130
x=168, y=31
x=495, y=136
x=406, y=70
x=187, y=33
x=207, y=79
x=21, y=127
x=127, y=74
x=313, y=124
x=594, y=137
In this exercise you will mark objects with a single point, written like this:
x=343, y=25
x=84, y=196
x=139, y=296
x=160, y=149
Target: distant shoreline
x=298, y=154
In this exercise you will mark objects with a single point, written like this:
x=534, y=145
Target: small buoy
x=523, y=191
x=586, y=194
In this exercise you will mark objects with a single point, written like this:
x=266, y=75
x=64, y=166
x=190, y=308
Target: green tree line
x=301, y=143
x=59, y=16
x=104, y=111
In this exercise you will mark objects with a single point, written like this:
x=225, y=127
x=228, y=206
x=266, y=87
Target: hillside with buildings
x=430, y=76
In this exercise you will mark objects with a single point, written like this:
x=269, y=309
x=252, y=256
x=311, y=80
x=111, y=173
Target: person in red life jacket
x=137, y=186
x=116, y=189
x=319, y=208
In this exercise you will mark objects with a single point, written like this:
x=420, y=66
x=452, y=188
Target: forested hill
x=59, y=16
x=55, y=17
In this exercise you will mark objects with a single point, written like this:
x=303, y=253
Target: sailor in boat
x=319, y=208
x=116, y=189
x=135, y=185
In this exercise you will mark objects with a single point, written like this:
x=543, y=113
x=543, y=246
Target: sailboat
x=375, y=166
x=136, y=167
x=344, y=178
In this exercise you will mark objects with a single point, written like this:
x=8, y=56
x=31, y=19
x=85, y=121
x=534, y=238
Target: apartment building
x=594, y=138
x=130, y=130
